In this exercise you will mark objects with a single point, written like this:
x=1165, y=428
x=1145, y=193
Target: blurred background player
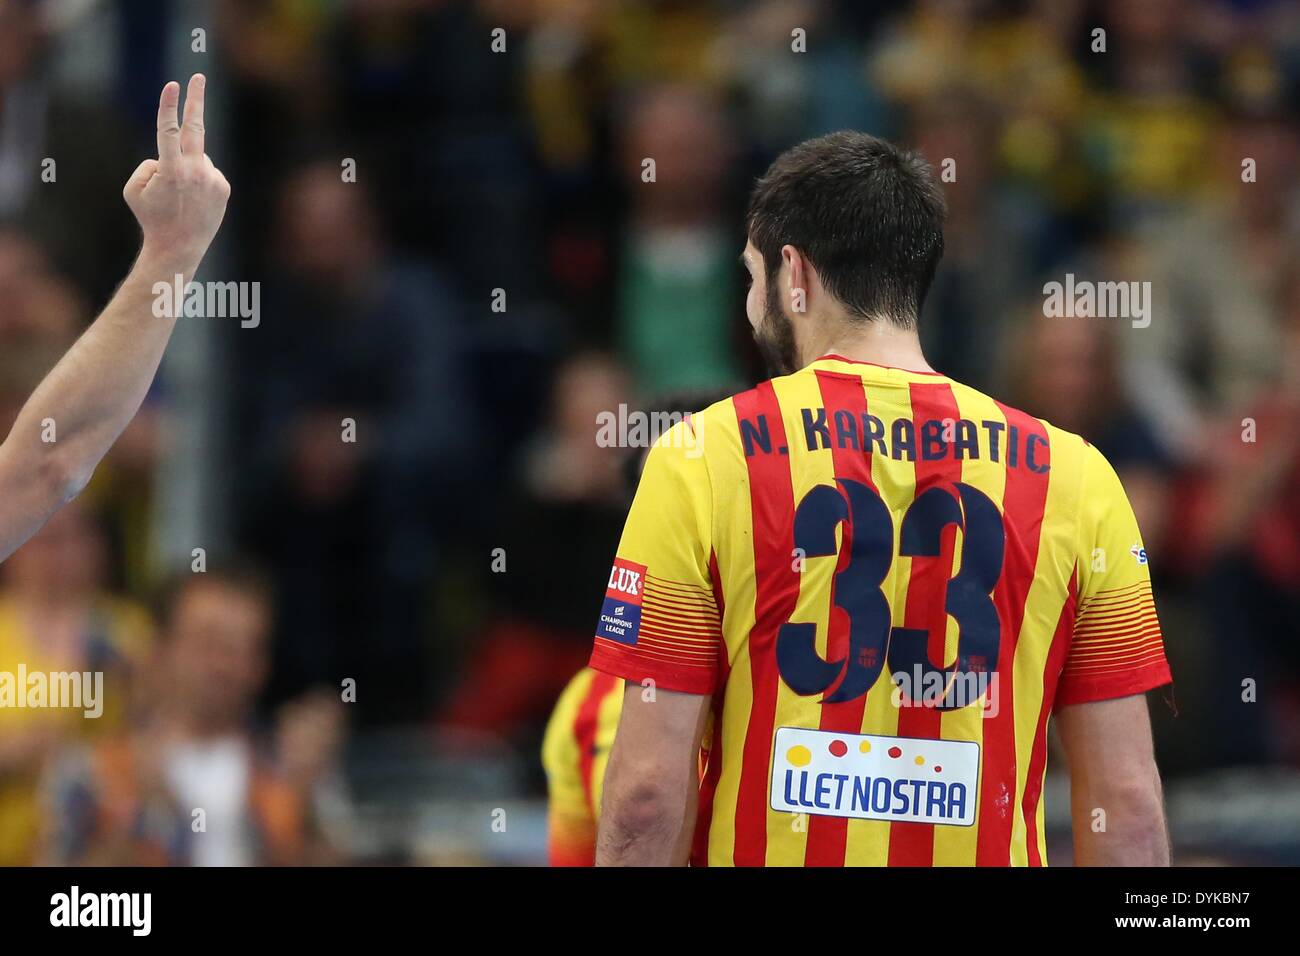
x=575, y=752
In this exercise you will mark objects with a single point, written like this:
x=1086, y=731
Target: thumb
x=140, y=178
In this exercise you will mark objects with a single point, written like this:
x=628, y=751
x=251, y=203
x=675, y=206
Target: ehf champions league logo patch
x=620, y=615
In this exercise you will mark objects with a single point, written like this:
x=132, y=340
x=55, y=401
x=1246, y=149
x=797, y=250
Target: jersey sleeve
x=660, y=620
x=1116, y=649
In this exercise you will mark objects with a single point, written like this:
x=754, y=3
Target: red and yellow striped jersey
x=575, y=751
x=886, y=581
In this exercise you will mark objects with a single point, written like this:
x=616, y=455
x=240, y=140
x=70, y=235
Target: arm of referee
x=88, y=398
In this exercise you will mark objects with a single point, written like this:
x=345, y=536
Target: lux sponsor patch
x=620, y=615
x=870, y=777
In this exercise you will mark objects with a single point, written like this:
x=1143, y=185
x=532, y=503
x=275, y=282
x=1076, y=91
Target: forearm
x=83, y=404
x=652, y=783
x=1120, y=826
x=646, y=826
x=76, y=413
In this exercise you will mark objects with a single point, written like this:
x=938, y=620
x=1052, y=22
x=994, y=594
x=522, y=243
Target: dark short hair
x=867, y=215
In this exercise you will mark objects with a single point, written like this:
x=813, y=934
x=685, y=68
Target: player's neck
x=878, y=342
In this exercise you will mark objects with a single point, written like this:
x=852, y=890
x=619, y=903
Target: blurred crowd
x=505, y=265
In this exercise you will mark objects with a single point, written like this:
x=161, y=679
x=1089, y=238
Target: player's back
x=887, y=580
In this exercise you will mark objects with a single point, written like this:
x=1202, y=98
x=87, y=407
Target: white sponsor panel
x=873, y=777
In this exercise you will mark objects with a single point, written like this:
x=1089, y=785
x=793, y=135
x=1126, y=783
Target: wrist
x=164, y=265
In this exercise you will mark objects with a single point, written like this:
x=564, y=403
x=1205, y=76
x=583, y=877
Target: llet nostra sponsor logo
x=875, y=777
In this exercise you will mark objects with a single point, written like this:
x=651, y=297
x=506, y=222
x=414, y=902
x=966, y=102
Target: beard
x=775, y=336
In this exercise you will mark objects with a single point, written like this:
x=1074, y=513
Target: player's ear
x=800, y=274
x=792, y=260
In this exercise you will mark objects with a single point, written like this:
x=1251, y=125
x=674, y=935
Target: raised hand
x=179, y=198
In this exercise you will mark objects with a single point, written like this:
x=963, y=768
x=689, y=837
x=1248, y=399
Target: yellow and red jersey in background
x=886, y=581
x=574, y=754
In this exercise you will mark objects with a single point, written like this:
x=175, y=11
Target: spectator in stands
x=356, y=440
x=1065, y=370
x=57, y=615
x=194, y=781
x=74, y=207
x=1213, y=342
x=1244, y=533
x=678, y=281
x=965, y=309
x=560, y=525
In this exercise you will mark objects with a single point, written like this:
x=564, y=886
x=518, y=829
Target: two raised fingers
x=176, y=139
